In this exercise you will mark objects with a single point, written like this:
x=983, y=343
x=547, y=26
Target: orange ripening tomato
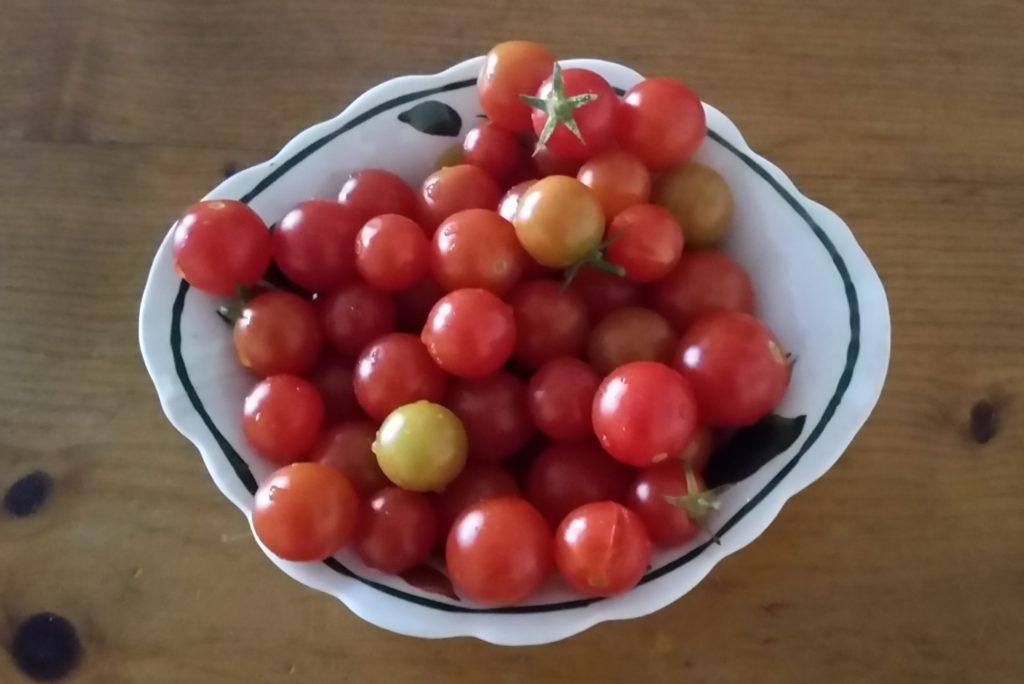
x=512, y=69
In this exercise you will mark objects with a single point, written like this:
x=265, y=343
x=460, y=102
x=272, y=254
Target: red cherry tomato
x=628, y=334
x=282, y=417
x=661, y=121
x=374, y=192
x=470, y=333
x=278, y=332
x=604, y=292
x=595, y=119
x=477, y=482
x=698, y=451
x=644, y=412
x=220, y=245
x=494, y=411
x=305, y=512
x=477, y=248
x=567, y=475
x=702, y=282
x=602, y=548
x=332, y=378
x=397, y=530
x=646, y=241
x=668, y=524
x=550, y=164
x=347, y=449
x=392, y=253
x=499, y=551
x=550, y=322
x=736, y=367
x=497, y=151
x=619, y=181
x=510, y=202
x=560, y=395
x=511, y=69
x=395, y=370
x=314, y=245
x=453, y=189
x=355, y=316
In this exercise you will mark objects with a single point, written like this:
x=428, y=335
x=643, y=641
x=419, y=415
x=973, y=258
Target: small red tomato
x=661, y=121
x=644, y=412
x=646, y=241
x=604, y=292
x=282, y=418
x=669, y=524
x=278, y=332
x=602, y=548
x=511, y=69
x=470, y=333
x=631, y=333
x=397, y=529
x=395, y=370
x=497, y=151
x=567, y=475
x=478, y=481
x=305, y=512
x=619, y=181
x=374, y=192
x=477, y=248
x=314, y=245
x=702, y=282
x=499, y=551
x=392, y=253
x=737, y=369
x=550, y=322
x=348, y=449
x=494, y=411
x=560, y=395
x=549, y=164
x=332, y=378
x=698, y=451
x=355, y=316
x=452, y=189
x=561, y=105
x=220, y=245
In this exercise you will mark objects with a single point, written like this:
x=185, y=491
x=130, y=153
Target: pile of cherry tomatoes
x=523, y=364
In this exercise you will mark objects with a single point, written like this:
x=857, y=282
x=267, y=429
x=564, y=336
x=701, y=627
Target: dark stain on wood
x=230, y=169
x=46, y=646
x=985, y=421
x=28, y=494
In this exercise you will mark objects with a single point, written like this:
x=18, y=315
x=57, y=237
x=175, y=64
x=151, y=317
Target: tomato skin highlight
x=559, y=221
x=703, y=282
x=495, y=413
x=278, y=332
x=646, y=241
x=314, y=245
x=510, y=69
x=220, y=245
x=561, y=393
x=661, y=121
x=510, y=201
x=374, y=192
x=602, y=548
x=282, y=416
x=470, y=333
x=566, y=475
x=396, y=531
x=393, y=370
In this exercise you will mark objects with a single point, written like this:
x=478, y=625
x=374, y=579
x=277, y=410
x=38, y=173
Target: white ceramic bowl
x=815, y=287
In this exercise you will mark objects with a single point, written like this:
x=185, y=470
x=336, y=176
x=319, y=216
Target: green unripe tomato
x=421, y=446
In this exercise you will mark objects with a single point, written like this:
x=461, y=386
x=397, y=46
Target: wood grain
x=903, y=564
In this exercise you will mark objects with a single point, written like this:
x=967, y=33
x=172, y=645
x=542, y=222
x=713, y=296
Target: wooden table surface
x=905, y=563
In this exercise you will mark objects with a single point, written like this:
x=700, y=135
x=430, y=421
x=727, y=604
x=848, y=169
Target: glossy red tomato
x=702, y=282
x=477, y=248
x=470, y=333
x=314, y=245
x=631, y=333
x=619, y=180
x=602, y=548
x=558, y=107
x=305, y=512
x=452, y=189
x=644, y=412
x=669, y=524
x=604, y=292
x=560, y=395
x=646, y=241
x=736, y=367
x=550, y=322
x=332, y=378
x=477, y=482
x=220, y=245
x=347, y=449
x=355, y=316
x=497, y=151
x=282, y=418
x=392, y=253
x=510, y=202
x=559, y=221
x=499, y=551
x=549, y=164
x=511, y=69
x=278, y=332
x=494, y=411
x=414, y=304
x=394, y=370
x=661, y=121
x=374, y=192
x=698, y=451
x=397, y=530
x=569, y=474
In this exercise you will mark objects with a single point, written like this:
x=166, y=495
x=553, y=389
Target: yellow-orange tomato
x=699, y=199
x=559, y=221
x=511, y=69
x=619, y=180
